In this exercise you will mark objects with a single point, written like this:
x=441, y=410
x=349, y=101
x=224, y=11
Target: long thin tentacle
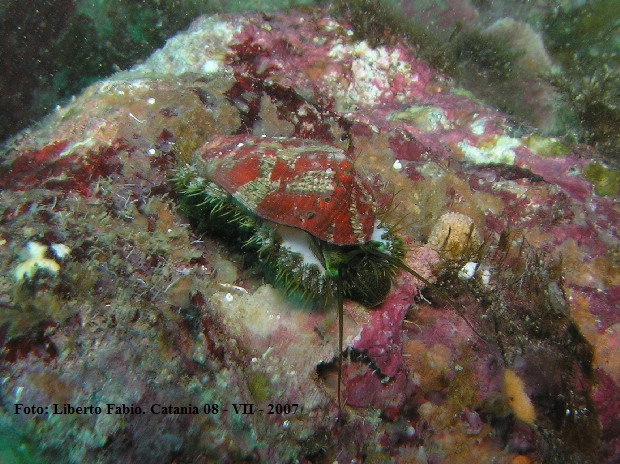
x=340, y=302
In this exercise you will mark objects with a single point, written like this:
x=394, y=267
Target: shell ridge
x=294, y=182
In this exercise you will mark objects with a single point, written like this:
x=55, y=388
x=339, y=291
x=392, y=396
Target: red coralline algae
x=383, y=382
x=55, y=167
x=606, y=401
x=32, y=161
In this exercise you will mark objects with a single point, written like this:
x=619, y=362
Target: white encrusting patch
x=377, y=236
x=496, y=150
x=60, y=251
x=468, y=271
x=299, y=241
x=33, y=260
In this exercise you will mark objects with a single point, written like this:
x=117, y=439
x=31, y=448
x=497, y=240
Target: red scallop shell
x=295, y=182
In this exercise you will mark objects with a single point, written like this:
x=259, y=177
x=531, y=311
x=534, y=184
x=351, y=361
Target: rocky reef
x=127, y=336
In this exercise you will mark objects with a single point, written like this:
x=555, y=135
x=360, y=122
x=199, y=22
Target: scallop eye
x=310, y=215
x=327, y=199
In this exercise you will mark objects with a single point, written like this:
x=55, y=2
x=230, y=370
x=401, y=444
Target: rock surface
x=110, y=298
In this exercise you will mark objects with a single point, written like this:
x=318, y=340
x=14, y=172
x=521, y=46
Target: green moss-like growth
x=593, y=97
x=546, y=147
x=606, y=181
x=589, y=30
x=260, y=388
x=486, y=55
x=586, y=40
x=374, y=22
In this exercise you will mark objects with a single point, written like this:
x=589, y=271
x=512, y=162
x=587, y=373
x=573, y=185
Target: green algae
x=260, y=387
x=489, y=54
x=586, y=41
x=589, y=30
x=606, y=181
x=546, y=147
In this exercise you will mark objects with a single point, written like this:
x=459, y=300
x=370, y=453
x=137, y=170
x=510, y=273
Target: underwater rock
x=175, y=349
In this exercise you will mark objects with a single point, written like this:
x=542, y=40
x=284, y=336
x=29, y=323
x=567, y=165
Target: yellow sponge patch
x=521, y=405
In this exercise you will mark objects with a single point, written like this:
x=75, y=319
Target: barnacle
x=454, y=235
